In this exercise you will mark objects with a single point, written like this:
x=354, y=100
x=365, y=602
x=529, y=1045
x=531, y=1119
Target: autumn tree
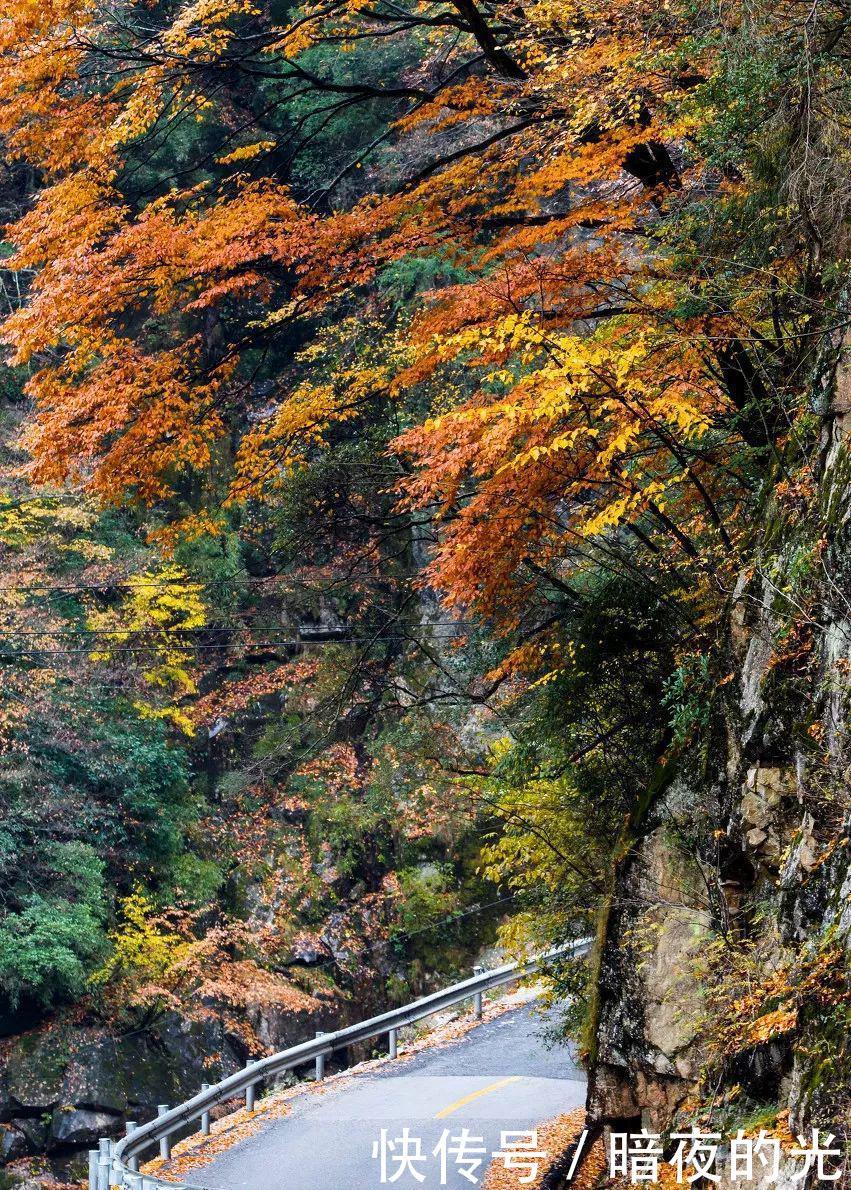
x=525, y=296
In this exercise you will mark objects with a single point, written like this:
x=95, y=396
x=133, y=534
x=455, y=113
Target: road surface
x=499, y=1077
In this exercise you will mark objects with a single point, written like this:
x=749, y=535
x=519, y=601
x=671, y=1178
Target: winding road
x=499, y=1077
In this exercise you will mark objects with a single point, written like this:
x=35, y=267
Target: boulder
x=35, y=1130
x=76, y=1127
x=35, y=1068
x=180, y=1055
x=97, y=1073
x=64, y=1086
x=278, y=1027
x=13, y=1144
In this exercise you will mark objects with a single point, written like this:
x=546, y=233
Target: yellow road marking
x=503, y=1082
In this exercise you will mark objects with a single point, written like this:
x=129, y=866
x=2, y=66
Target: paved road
x=501, y=1076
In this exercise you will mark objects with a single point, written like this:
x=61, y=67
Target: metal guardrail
x=116, y=1164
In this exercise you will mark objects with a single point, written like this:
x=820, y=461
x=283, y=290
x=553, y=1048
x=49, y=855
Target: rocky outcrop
x=750, y=841
x=63, y=1087
x=649, y=1000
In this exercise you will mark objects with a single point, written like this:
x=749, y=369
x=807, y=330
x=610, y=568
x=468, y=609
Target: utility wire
x=247, y=581
x=134, y=650
x=383, y=943
x=234, y=630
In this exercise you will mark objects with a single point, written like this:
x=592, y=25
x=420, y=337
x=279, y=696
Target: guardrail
x=117, y=1164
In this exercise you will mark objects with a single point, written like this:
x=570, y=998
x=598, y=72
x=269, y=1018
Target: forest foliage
x=392, y=392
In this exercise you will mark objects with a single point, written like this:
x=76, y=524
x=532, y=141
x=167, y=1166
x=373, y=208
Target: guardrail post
x=250, y=1091
x=393, y=1040
x=131, y=1126
x=94, y=1155
x=104, y=1164
x=205, y=1115
x=320, y=1058
x=165, y=1141
x=477, y=998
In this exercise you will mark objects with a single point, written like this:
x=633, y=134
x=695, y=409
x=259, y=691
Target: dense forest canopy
x=395, y=392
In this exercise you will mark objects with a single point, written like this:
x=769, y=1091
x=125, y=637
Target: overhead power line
x=317, y=636
x=208, y=646
x=153, y=585
x=383, y=943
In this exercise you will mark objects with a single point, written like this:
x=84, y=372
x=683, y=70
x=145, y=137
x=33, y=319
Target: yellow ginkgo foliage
x=154, y=622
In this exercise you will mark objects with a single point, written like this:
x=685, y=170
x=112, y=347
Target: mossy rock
x=35, y=1068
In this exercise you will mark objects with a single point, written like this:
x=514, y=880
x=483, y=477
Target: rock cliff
x=722, y=983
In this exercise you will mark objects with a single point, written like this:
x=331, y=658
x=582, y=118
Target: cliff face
x=65, y=1086
x=722, y=978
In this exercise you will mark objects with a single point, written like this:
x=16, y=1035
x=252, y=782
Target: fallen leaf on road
x=196, y=1151
x=554, y=1138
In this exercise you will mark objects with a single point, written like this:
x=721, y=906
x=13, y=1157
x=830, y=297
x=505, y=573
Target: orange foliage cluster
x=164, y=960
x=757, y=1003
x=124, y=316
x=232, y=697
x=554, y=1138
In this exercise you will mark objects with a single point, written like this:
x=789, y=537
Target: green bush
x=49, y=945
